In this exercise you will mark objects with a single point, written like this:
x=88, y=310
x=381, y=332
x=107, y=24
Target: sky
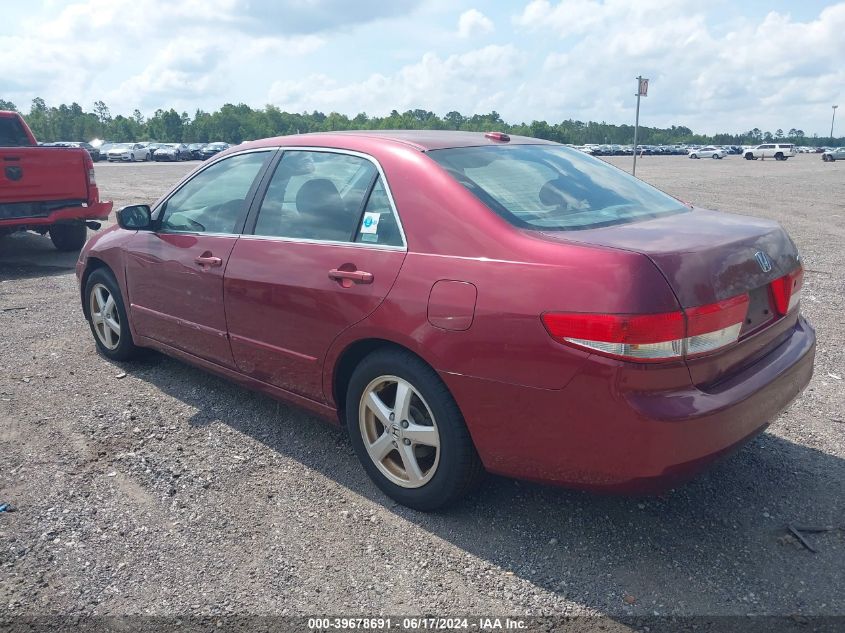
x=715, y=66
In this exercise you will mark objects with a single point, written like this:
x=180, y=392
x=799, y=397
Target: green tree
x=102, y=112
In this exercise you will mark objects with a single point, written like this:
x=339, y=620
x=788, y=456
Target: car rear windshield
x=12, y=133
x=552, y=187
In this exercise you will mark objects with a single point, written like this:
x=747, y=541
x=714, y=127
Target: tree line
x=237, y=123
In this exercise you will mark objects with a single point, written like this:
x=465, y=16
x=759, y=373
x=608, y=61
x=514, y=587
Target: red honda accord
x=464, y=302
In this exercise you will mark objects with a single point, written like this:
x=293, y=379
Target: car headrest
x=552, y=194
x=319, y=197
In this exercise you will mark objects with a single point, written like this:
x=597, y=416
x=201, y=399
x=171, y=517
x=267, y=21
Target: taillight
x=715, y=325
x=786, y=291
x=89, y=166
x=652, y=337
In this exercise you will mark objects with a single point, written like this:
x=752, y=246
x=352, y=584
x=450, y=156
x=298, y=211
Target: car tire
x=436, y=463
x=69, y=237
x=107, y=316
x=779, y=156
x=693, y=156
x=749, y=156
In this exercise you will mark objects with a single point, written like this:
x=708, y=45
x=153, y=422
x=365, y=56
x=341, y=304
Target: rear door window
x=379, y=224
x=551, y=187
x=316, y=196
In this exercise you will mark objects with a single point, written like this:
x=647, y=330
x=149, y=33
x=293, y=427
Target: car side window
x=315, y=196
x=214, y=200
x=379, y=224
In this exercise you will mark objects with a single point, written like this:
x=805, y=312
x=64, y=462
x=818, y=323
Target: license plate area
x=761, y=311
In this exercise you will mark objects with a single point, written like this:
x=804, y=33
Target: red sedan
x=464, y=302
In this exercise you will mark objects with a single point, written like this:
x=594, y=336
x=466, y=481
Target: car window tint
x=213, y=200
x=550, y=187
x=315, y=196
x=379, y=225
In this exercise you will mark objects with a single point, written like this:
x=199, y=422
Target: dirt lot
x=153, y=488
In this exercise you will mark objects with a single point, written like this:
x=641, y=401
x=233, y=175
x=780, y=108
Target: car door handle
x=356, y=276
x=208, y=261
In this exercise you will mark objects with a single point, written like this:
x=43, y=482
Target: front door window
x=214, y=201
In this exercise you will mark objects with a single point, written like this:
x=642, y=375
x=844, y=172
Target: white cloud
x=151, y=53
x=771, y=72
x=473, y=22
x=475, y=81
x=713, y=66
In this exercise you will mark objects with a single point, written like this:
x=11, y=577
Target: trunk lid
x=706, y=256
x=709, y=256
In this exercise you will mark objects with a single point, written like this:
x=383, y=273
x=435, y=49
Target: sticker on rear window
x=370, y=223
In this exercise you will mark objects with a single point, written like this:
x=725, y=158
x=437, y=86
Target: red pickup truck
x=46, y=189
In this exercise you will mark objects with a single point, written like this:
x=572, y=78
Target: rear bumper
x=602, y=432
x=96, y=211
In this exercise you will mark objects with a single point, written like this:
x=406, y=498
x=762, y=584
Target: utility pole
x=832, y=119
x=642, y=91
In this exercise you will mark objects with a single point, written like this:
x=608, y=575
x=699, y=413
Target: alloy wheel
x=104, y=316
x=399, y=431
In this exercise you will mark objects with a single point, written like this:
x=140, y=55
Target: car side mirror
x=135, y=217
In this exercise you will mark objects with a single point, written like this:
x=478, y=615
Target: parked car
x=465, y=301
x=707, y=152
x=46, y=189
x=196, y=150
x=832, y=155
x=172, y=152
x=211, y=149
x=128, y=152
x=778, y=151
x=104, y=149
x=152, y=148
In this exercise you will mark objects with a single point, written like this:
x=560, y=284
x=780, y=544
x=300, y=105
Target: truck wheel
x=779, y=156
x=408, y=432
x=107, y=316
x=69, y=237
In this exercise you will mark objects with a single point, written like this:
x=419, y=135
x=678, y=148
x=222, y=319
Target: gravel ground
x=154, y=488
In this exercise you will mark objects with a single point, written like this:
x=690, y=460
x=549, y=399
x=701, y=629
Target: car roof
x=422, y=140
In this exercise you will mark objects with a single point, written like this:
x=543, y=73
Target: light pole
x=642, y=91
x=832, y=119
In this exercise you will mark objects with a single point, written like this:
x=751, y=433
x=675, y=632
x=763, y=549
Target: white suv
x=778, y=151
